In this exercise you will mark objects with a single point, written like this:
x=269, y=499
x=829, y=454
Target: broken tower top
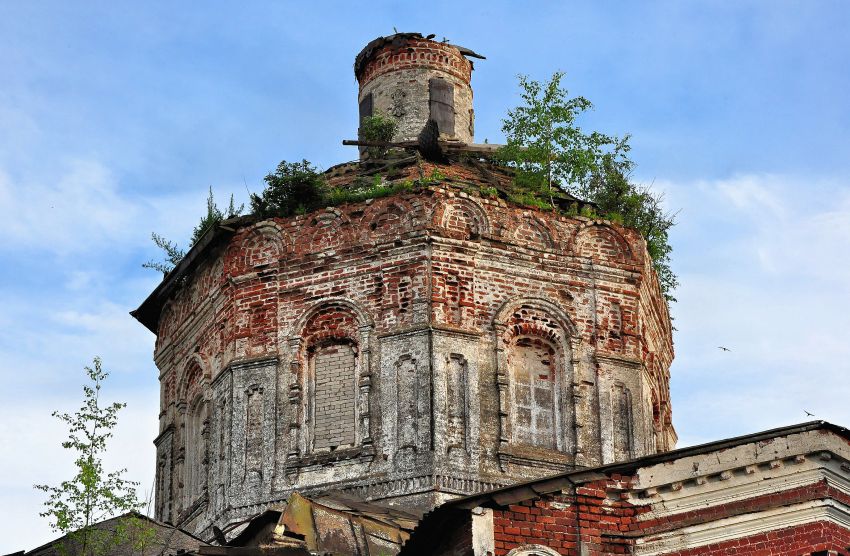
x=414, y=79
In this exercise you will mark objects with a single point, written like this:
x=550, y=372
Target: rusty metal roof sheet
x=330, y=524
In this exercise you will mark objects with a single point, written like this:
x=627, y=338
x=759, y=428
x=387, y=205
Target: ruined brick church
x=441, y=344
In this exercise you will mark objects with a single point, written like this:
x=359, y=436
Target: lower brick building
x=783, y=491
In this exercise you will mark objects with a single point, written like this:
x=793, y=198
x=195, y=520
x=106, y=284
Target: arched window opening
x=532, y=550
x=533, y=366
x=535, y=340
x=196, y=433
x=330, y=392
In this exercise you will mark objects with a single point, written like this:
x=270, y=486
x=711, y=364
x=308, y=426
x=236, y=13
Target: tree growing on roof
x=92, y=495
x=551, y=153
x=173, y=253
x=293, y=188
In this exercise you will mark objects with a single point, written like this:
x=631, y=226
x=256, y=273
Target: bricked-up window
x=335, y=393
x=533, y=367
x=333, y=373
x=442, y=105
x=196, y=424
x=621, y=398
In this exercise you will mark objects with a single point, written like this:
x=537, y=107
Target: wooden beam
x=387, y=144
x=471, y=147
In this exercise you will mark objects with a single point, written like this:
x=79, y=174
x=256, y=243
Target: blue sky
x=116, y=118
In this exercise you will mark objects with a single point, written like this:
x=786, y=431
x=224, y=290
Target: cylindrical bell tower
x=414, y=79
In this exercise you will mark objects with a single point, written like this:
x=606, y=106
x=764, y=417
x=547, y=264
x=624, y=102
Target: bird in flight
x=808, y=414
x=723, y=348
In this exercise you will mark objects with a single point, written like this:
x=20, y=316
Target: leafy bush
x=635, y=206
x=294, y=187
x=377, y=128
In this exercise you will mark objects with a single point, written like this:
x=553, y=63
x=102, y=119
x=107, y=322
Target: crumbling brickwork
x=410, y=348
x=412, y=80
x=591, y=522
x=444, y=355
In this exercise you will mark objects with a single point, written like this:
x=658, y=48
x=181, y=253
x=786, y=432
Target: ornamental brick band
x=415, y=54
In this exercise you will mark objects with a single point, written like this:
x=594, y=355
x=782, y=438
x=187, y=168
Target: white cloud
x=78, y=207
x=751, y=193
x=762, y=272
x=67, y=212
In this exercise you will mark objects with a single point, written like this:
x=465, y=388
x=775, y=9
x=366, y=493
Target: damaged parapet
x=414, y=79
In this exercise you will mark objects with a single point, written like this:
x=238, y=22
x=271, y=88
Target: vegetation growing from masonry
x=172, y=252
x=380, y=129
x=553, y=157
x=92, y=495
x=293, y=188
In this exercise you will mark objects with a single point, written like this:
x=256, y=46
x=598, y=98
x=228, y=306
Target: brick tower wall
x=396, y=81
x=428, y=300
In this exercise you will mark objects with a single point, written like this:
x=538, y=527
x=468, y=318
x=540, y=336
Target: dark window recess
x=366, y=107
x=442, y=105
x=365, y=112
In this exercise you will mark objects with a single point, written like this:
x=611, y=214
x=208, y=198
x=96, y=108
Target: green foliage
x=635, y=206
x=544, y=143
x=550, y=153
x=174, y=254
x=338, y=196
x=214, y=216
x=529, y=200
x=294, y=188
x=378, y=128
x=437, y=175
x=491, y=192
x=92, y=495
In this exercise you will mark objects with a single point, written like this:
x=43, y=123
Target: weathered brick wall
x=416, y=53
x=397, y=78
x=778, y=492
x=597, y=519
x=588, y=522
x=434, y=291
